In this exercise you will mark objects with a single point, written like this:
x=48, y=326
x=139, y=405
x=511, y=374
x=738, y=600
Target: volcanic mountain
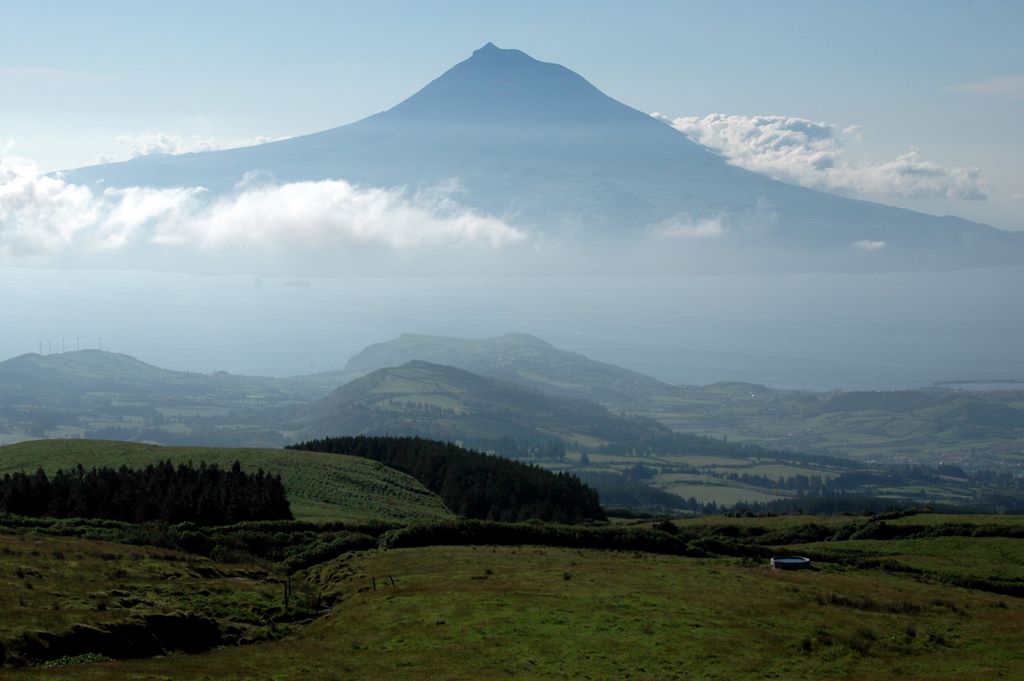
x=539, y=147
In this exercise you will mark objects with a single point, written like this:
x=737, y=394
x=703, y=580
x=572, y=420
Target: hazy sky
x=905, y=90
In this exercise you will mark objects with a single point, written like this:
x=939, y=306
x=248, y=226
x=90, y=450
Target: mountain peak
x=499, y=87
x=486, y=49
x=492, y=53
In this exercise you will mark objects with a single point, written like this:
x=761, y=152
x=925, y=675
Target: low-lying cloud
x=42, y=215
x=689, y=228
x=148, y=143
x=812, y=154
x=869, y=245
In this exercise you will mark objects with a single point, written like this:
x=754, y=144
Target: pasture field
x=528, y=612
x=782, y=522
x=1003, y=520
x=321, y=487
x=777, y=471
x=722, y=493
x=71, y=595
x=996, y=558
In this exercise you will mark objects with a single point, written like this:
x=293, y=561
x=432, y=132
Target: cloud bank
x=812, y=154
x=43, y=216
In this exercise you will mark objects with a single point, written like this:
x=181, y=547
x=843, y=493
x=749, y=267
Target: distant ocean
x=815, y=331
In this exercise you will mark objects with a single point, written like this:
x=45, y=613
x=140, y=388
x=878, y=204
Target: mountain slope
x=106, y=395
x=537, y=145
x=71, y=376
x=442, y=402
x=522, y=359
x=37, y=378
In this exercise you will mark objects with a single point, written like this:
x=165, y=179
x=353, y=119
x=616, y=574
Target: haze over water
x=807, y=331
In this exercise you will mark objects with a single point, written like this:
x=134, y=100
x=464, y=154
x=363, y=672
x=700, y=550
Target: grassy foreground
x=320, y=487
x=67, y=596
x=547, y=613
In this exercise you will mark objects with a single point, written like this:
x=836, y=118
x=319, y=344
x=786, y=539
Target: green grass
x=59, y=584
x=973, y=519
x=320, y=487
x=782, y=522
x=725, y=493
x=547, y=613
x=999, y=558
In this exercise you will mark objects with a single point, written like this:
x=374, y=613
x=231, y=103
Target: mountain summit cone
x=509, y=88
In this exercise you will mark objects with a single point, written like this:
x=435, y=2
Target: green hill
x=522, y=359
x=100, y=395
x=446, y=403
x=319, y=486
x=90, y=373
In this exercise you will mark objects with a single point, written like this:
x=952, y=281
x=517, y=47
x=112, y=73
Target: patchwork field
x=979, y=429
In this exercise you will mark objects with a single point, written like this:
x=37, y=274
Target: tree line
x=472, y=484
x=207, y=494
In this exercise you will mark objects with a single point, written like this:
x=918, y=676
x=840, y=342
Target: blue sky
x=81, y=81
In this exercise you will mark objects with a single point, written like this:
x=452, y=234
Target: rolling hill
x=320, y=487
x=522, y=359
x=443, y=402
x=102, y=395
x=538, y=146
x=106, y=395
x=39, y=378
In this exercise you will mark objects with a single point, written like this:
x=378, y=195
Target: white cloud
x=41, y=215
x=812, y=154
x=334, y=212
x=869, y=245
x=167, y=143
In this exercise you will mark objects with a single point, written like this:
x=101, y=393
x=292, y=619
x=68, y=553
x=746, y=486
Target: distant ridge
x=31, y=377
x=91, y=371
